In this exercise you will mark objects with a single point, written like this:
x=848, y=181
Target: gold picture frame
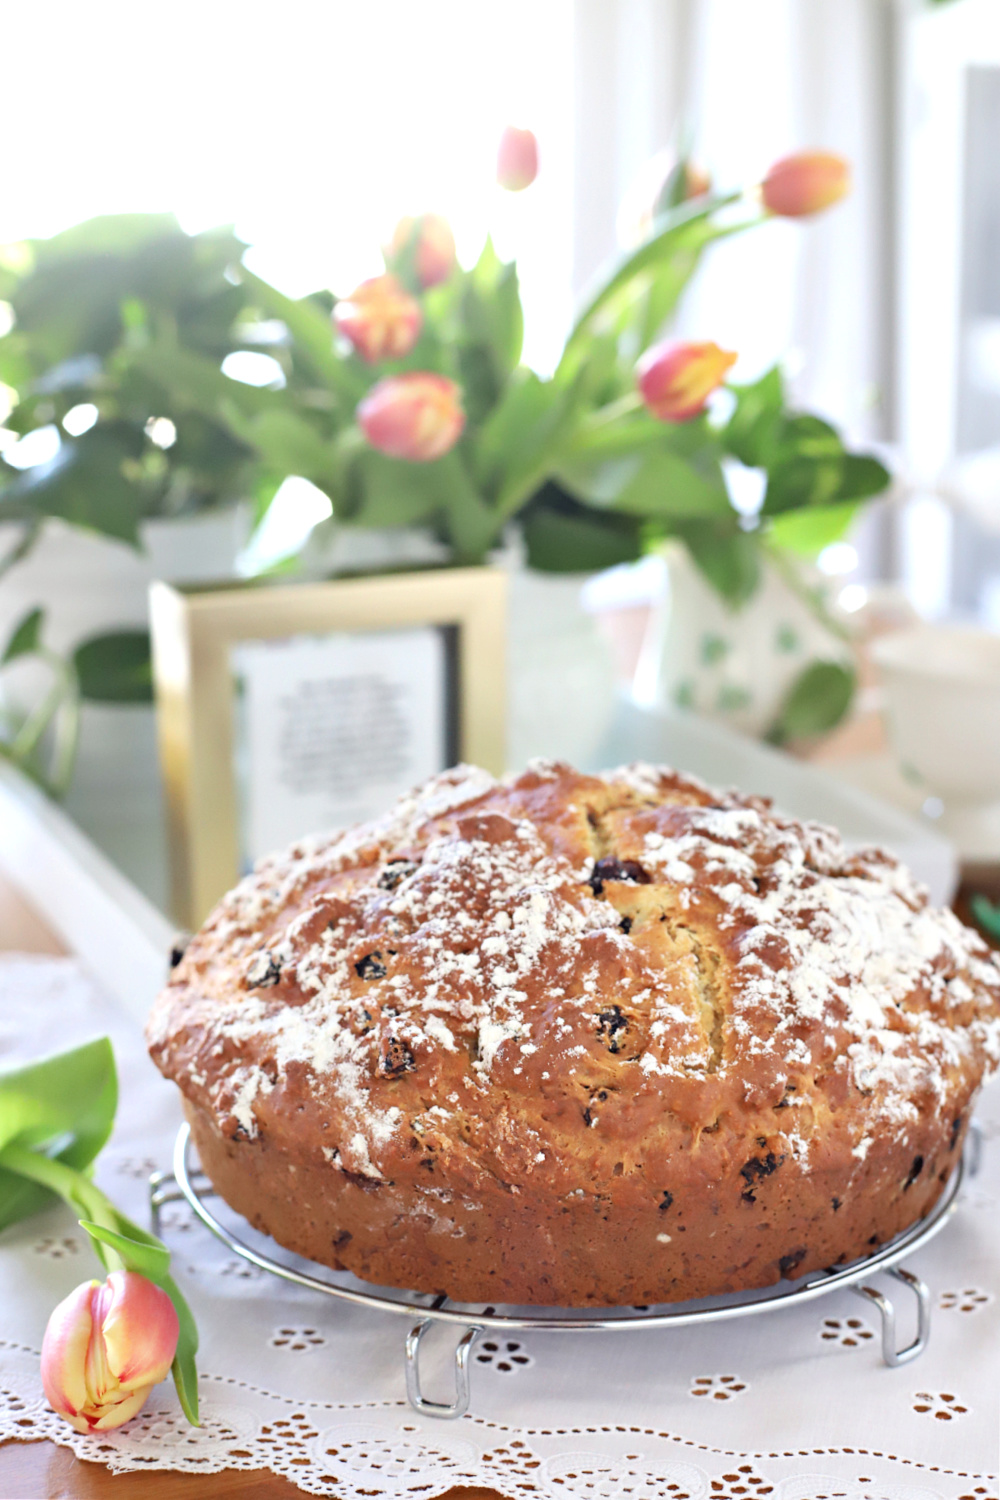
x=194, y=633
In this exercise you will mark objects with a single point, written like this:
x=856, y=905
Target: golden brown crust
x=576, y=1039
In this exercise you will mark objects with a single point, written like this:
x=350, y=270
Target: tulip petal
x=121, y=1411
x=64, y=1352
x=140, y=1330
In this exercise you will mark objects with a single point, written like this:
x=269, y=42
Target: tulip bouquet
x=108, y=1344
x=419, y=412
x=424, y=414
x=408, y=404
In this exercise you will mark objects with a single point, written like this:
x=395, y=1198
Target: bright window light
x=852, y=597
x=297, y=507
x=38, y=447
x=80, y=419
x=161, y=431
x=313, y=146
x=746, y=486
x=839, y=557
x=253, y=369
x=6, y=318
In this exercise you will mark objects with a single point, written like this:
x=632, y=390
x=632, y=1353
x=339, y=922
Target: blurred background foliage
x=158, y=377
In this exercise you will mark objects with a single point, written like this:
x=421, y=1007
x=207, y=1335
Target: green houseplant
x=118, y=329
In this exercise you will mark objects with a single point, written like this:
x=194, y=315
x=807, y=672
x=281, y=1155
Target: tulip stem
x=73, y=1187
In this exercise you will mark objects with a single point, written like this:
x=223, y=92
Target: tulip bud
x=415, y=416
x=805, y=183
x=106, y=1346
x=380, y=318
x=663, y=183
x=429, y=239
x=684, y=181
x=676, y=380
x=517, y=159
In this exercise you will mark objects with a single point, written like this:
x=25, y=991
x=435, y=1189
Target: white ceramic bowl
x=942, y=706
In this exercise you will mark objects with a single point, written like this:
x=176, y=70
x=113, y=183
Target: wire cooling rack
x=191, y=1184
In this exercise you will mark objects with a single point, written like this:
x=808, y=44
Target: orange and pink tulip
x=106, y=1346
x=517, y=159
x=380, y=319
x=417, y=416
x=676, y=380
x=432, y=244
x=805, y=183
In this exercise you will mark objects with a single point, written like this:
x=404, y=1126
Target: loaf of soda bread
x=580, y=1040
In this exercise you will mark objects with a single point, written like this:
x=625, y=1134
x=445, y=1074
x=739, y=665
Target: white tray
x=99, y=914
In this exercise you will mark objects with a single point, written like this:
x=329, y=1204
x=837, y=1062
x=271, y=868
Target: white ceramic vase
x=734, y=666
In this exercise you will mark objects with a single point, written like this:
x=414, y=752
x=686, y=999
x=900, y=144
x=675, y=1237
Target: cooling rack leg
x=890, y=1354
x=162, y=1189
x=417, y=1400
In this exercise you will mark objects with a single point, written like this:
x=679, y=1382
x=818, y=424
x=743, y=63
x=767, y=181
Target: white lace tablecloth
x=796, y=1405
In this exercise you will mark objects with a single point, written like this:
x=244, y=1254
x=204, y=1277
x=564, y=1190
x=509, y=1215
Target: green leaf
x=680, y=236
x=68, y=1100
x=394, y=492
x=115, y=668
x=312, y=334
x=471, y=526
x=659, y=485
x=807, y=532
x=986, y=914
x=26, y=636
x=491, y=305
x=515, y=450
x=184, y=1370
x=562, y=536
x=288, y=443
x=816, y=702
x=149, y=1257
x=750, y=433
x=479, y=379
x=862, y=476
x=74, y=1093
x=107, y=234
x=87, y=483
x=799, y=481
x=624, y=428
x=195, y=382
x=665, y=284
x=726, y=556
